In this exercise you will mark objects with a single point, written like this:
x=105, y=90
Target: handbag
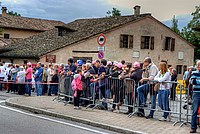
x=156, y=87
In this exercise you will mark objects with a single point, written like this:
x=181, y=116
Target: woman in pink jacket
x=77, y=88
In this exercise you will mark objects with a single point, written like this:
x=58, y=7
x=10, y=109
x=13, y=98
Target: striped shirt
x=195, y=80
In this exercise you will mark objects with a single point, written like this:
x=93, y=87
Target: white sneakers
x=162, y=119
x=166, y=119
x=75, y=107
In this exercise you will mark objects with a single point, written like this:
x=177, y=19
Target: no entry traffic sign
x=101, y=39
x=100, y=54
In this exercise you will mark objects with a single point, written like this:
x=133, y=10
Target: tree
x=191, y=35
x=115, y=12
x=13, y=13
x=175, y=25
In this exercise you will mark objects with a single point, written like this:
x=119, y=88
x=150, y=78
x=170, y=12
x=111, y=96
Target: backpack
x=73, y=84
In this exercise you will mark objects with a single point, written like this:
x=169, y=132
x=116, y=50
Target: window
x=147, y=42
x=126, y=41
x=169, y=44
x=11, y=60
x=6, y=36
x=179, y=69
x=184, y=68
x=60, y=32
x=25, y=62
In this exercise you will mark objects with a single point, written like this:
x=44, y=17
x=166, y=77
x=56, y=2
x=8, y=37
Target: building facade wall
x=113, y=52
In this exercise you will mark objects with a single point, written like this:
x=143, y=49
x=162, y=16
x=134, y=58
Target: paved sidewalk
x=99, y=118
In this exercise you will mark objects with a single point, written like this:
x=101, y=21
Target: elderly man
x=195, y=81
x=150, y=71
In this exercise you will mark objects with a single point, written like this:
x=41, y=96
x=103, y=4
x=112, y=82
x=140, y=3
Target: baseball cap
x=136, y=64
x=80, y=62
x=119, y=65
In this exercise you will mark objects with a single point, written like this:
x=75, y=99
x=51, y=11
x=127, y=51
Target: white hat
x=21, y=67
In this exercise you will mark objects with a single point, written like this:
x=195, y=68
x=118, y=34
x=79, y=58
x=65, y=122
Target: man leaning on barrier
x=151, y=71
x=195, y=81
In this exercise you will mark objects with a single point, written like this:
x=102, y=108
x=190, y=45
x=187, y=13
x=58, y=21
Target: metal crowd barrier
x=115, y=91
x=123, y=93
x=65, y=90
x=174, y=104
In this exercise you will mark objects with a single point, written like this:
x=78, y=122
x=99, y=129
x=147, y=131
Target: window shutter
x=165, y=44
x=130, y=41
x=121, y=41
x=142, y=42
x=152, y=43
x=173, y=44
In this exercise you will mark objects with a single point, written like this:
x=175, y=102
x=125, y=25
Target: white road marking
x=52, y=120
x=2, y=101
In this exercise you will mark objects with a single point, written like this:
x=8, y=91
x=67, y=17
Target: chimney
x=4, y=11
x=136, y=10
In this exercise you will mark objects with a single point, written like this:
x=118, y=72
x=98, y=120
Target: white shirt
x=2, y=71
x=21, y=76
x=162, y=78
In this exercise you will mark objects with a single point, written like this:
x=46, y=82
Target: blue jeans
x=163, y=101
x=153, y=104
x=195, y=105
x=54, y=89
x=28, y=87
x=92, y=89
x=142, y=92
x=39, y=88
x=49, y=89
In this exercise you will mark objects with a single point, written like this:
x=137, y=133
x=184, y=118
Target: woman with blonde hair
x=163, y=77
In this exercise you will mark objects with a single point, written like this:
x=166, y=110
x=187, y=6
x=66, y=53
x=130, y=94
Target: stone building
x=130, y=38
x=17, y=27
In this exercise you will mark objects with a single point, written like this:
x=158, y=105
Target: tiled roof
x=40, y=44
x=10, y=41
x=18, y=22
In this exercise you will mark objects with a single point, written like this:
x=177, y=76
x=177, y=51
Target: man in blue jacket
x=38, y=79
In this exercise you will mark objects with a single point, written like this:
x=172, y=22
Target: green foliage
x=175, y=25
x=13, y=13
x=191, y=35
x=114, y=12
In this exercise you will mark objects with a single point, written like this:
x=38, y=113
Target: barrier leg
x=187, y=113
x=180, y=107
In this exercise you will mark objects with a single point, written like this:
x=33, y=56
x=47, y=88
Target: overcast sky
x=68, y=10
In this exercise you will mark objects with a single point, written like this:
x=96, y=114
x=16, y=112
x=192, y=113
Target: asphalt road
x=16, y=121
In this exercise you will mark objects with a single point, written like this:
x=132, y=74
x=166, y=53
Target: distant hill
x=183, y=20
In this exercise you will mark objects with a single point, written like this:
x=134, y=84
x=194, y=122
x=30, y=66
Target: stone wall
x=113, y=52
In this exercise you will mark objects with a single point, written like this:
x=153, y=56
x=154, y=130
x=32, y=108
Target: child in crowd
x=77, y=88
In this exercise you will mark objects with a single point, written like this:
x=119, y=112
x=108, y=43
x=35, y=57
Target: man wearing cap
x=136, y=75
x=29, y=73
x=195, y=81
